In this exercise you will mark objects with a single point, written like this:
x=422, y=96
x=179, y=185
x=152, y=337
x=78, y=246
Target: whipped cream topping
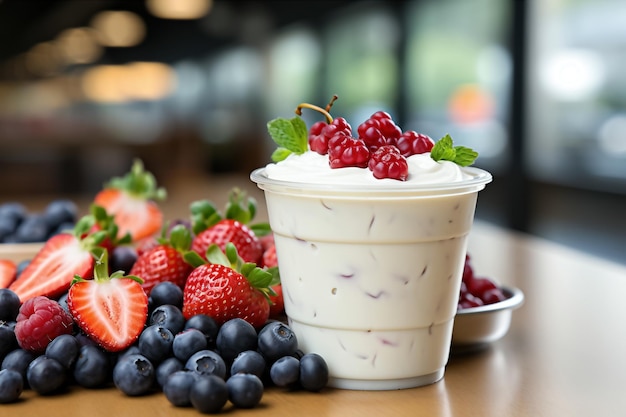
x=313, y=168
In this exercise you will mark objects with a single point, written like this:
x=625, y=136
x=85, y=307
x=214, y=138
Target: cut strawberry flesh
x=139, y=217
x=51, y=271
x=8, y=270
x=113, y=313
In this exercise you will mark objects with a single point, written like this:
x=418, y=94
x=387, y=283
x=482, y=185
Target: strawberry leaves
x=444, y=150
x=290, y=135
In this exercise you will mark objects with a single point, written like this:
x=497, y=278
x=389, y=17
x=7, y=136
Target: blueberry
x=285, y=372
x=60, y=211
x=64, y=349
x=18, y=360
x=249, y=362
x=277, y=340
x=207, y=362
x=168, y=316
x=188, y=342
x=63, y=302
x=8, y=342
x=122, y=258
x=62, y=228
x=92, y=367
x=22, y=266
x=166, y=293
x=208, y=394
x=177, y=388
x=207, y=325
x=235, y=336
x=313, y=372
x=155, y=343
x=11, y=386
x=9, y=305
x=134, y=375
x=166, y=368
x=14, y=211
x=45, y=375
x=245, y=390
x=7, y=228
x=33, y=228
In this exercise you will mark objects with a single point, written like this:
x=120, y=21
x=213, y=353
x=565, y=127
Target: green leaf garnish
x=290, y=135
x=444, y=150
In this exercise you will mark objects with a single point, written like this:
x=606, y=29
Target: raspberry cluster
x=380, y=145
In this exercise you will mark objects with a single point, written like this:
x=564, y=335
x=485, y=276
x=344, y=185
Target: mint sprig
x=290, y=135
x=444, y=150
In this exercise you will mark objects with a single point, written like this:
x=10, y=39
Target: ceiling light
x=179, y=9
x=119, y=28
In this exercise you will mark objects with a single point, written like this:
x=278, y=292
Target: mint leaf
x=465, y=156
x=444, y=150
x=289, y=134
x=280, y=153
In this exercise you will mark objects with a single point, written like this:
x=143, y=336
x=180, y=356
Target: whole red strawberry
x=227, y=288
x=132, y=200
x=111, y=310
x=165, y=262
x=211, y=227
x=39, y=321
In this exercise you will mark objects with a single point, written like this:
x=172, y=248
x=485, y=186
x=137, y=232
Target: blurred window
x=458, y=74
x=362, y=65
x=576, y=109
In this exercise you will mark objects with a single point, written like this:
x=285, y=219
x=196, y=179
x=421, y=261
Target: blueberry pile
x=194, y=362
x=19, y=225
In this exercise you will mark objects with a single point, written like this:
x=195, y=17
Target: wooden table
x=565, y=354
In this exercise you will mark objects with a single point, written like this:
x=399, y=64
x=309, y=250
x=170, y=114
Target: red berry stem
x=329, y=118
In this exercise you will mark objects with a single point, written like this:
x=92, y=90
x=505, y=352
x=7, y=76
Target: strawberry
x=210, y=227
x=165, y=262
x=52, y=269
x=225, y=287
x=111, y=310
x=8, y=271
x=277, y=307
x=105, y=222
x=132, y=200
x=269, y=257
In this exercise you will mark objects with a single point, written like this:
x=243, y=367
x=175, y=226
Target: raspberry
x=387, y=162
x=412, y=143
x=345, y=151
x=379, y=130
x=321, y=132
x=39, y=321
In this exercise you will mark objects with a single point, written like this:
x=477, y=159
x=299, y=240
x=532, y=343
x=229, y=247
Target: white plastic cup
x=371, y=277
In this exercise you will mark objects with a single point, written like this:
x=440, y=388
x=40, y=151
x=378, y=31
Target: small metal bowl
x=18, y=252
x=477, y=327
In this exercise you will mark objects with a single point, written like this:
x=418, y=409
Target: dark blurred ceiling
x=24, y=23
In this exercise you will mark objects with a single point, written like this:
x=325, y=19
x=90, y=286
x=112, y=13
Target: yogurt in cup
x=371, y=269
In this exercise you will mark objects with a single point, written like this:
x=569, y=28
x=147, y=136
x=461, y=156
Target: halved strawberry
x=165, y=262
x=111, y=310
x=210, y=227
x=105, y=222
x=227, y=288
x=132, y=200
x=52, y=269
x=8, y=271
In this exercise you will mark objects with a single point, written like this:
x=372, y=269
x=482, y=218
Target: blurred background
x=537, y=87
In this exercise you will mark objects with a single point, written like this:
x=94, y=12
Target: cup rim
x=479, y=178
